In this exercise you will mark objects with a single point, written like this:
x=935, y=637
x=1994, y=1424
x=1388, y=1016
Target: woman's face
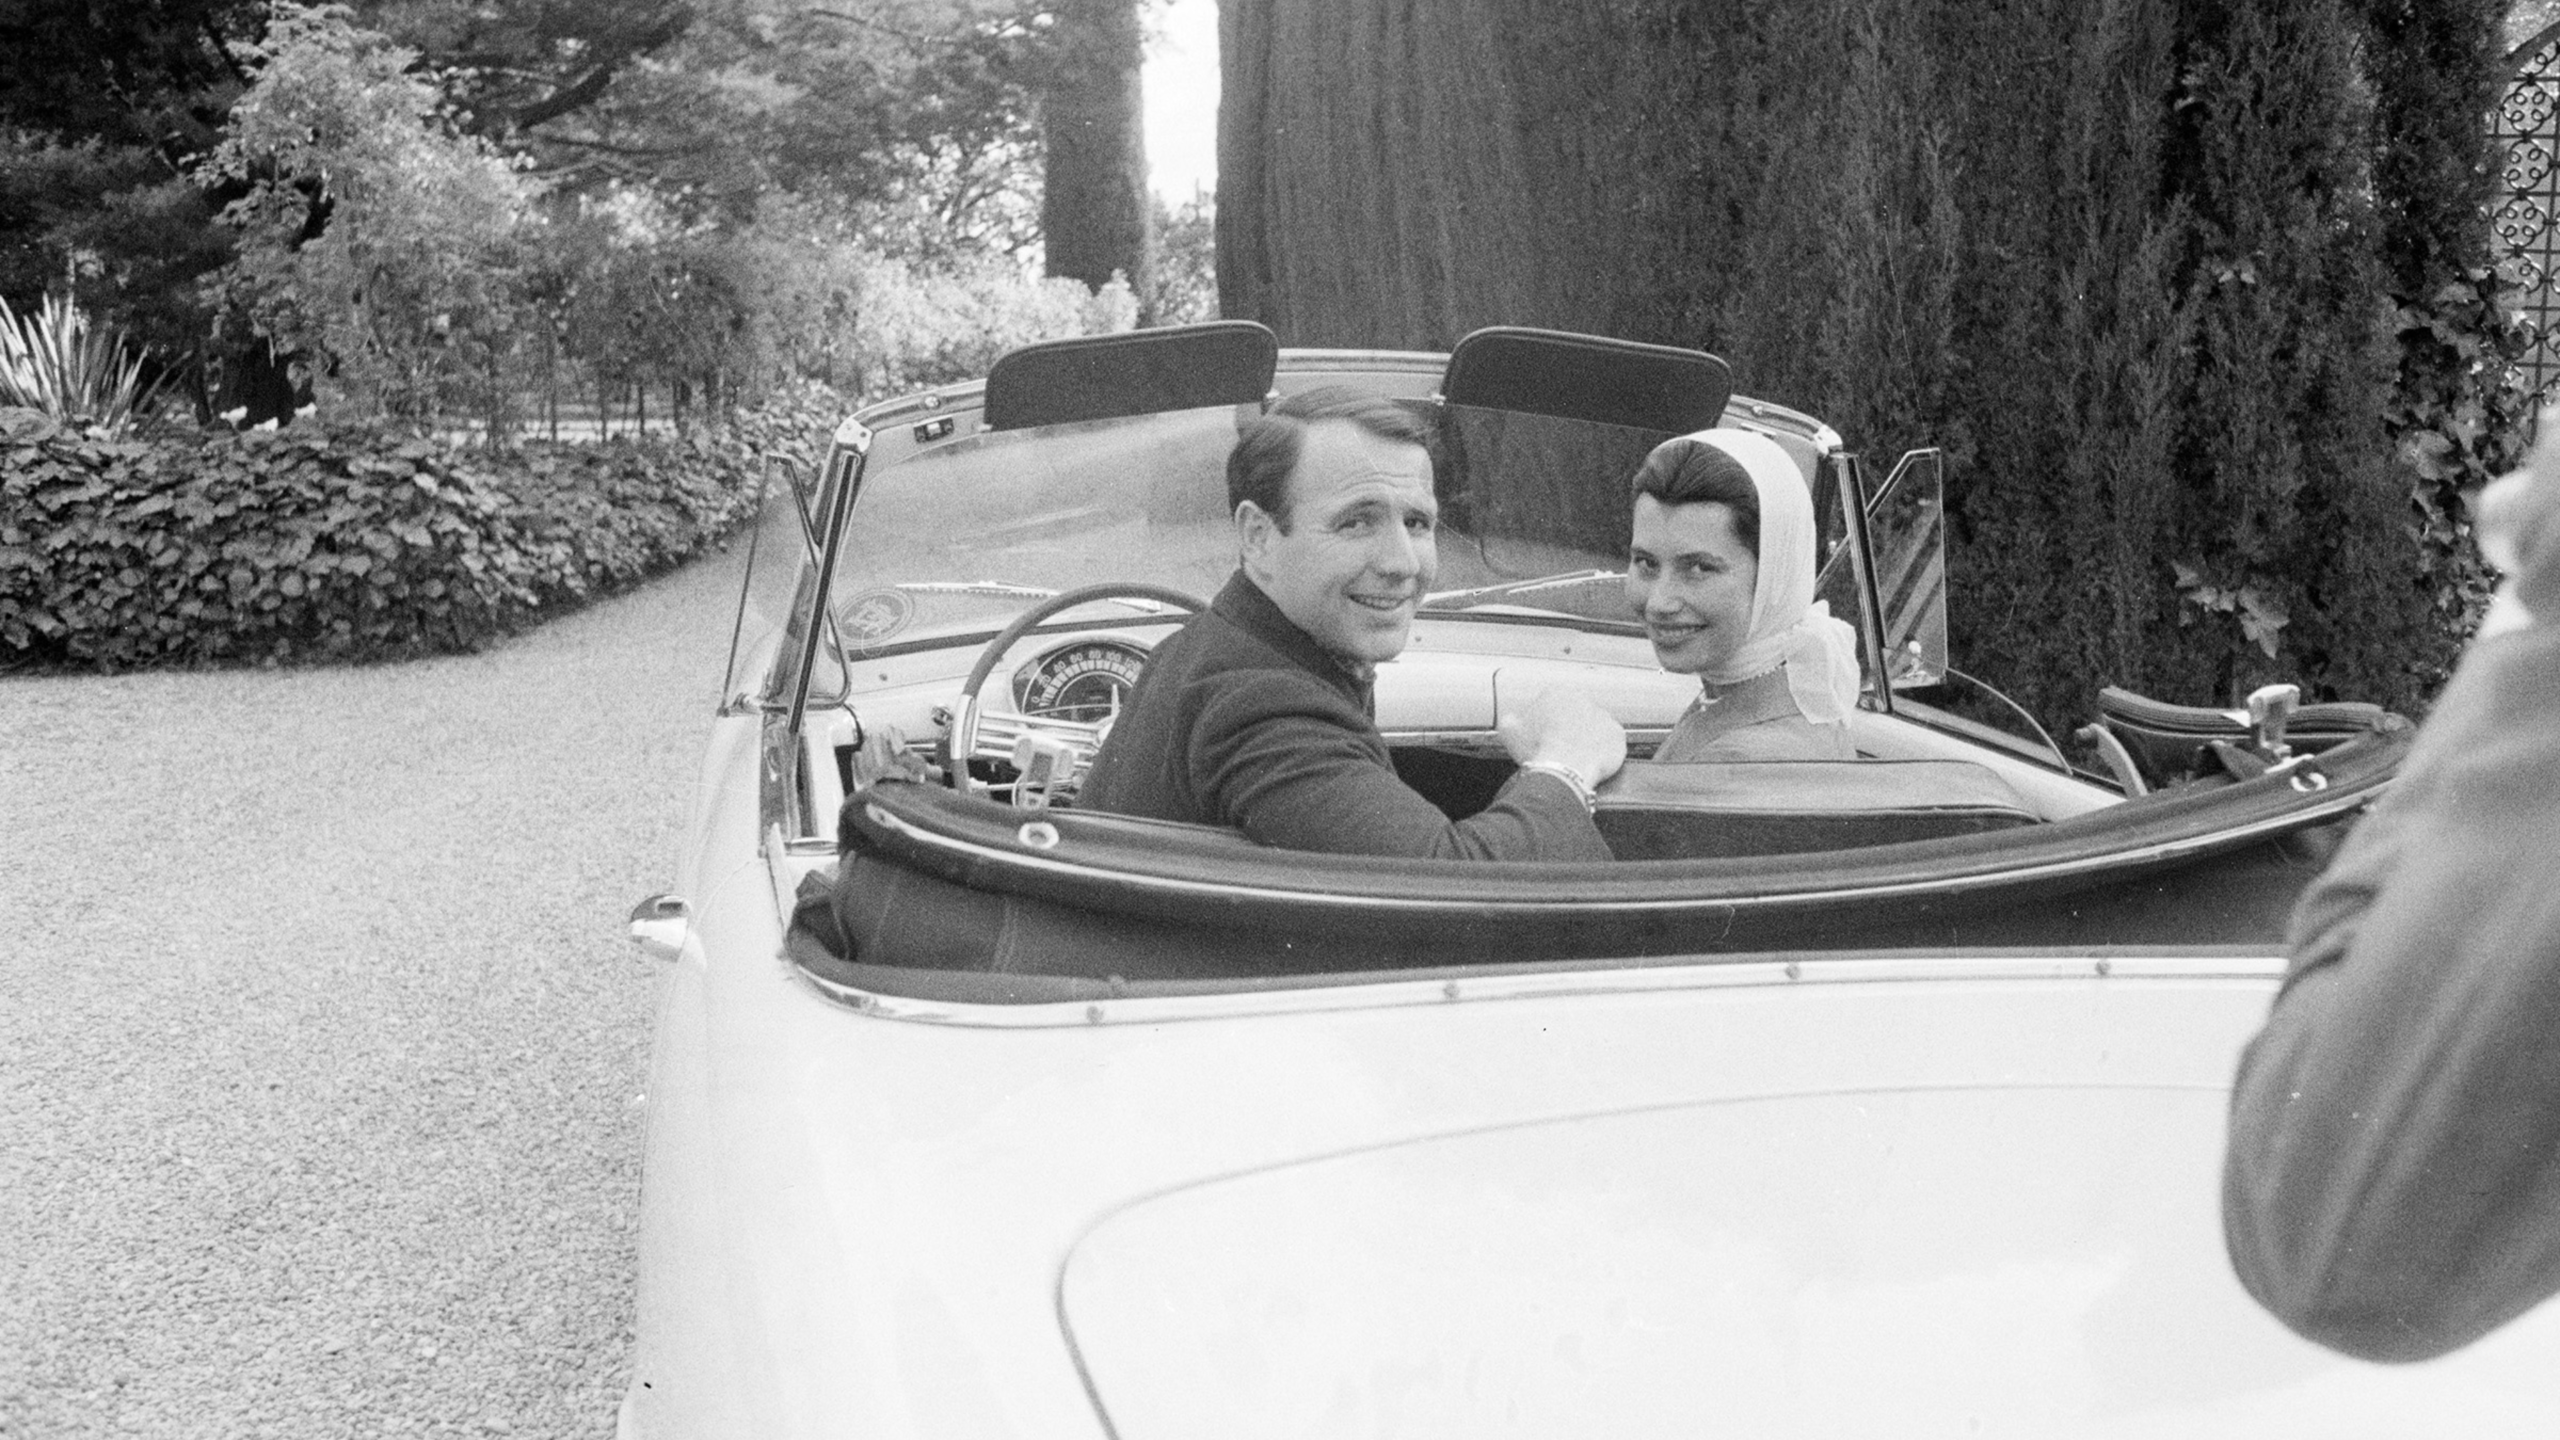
x=1690, y=577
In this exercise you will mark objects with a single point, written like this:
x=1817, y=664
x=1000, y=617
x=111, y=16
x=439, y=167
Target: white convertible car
x=1857, y=1098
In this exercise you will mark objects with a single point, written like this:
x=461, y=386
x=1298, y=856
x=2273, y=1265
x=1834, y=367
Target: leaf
x=2430, y=454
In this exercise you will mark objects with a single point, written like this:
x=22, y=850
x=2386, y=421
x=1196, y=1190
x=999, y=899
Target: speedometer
x=1085, y=681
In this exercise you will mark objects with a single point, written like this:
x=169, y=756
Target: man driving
x=1257, y=713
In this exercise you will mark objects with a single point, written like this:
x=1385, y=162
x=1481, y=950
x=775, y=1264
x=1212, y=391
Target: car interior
x=1937, y=831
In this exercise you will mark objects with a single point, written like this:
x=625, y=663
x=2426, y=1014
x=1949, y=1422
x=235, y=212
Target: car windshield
x=959, y=538
x=949, y=544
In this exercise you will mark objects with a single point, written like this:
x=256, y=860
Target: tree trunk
x=1094, y=212
x=1399, y=174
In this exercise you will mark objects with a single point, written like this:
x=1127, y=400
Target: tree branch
x=222, y=48
x=588, y=87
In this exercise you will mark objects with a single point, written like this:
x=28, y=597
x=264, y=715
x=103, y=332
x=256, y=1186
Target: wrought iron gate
x=2526, y=126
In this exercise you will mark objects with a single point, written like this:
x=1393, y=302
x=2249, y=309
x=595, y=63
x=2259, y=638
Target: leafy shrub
x=353, y=542
x=832, y=310
x=919, y=325
x=372, y=240
x=56, y=362
x=636, y=296
x=1184, y=288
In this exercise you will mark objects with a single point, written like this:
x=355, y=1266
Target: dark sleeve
x=1296, y=766
x=2392, y=1187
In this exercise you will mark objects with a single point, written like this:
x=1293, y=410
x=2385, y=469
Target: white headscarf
x=1788, y=626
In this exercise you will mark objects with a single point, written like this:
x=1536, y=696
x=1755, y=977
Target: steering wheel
x=991, y=735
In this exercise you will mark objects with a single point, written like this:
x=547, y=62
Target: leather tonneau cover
x=1669, y=811
x=938, y=881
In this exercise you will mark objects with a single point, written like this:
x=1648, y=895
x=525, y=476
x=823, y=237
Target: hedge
x=340, y=543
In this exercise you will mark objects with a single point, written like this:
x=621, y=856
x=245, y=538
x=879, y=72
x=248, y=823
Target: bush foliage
x=414, y=273
x=353, y=542
x=403, y=299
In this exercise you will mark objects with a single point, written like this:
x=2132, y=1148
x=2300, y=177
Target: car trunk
x=1977, y=1260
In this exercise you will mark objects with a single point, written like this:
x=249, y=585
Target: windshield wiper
x=1515, y=589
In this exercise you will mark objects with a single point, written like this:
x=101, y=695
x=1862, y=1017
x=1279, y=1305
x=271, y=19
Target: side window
x=1906, y=525
x=1908, y=521
x=777, y=554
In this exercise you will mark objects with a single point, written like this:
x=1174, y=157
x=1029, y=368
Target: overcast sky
x=1182, y=99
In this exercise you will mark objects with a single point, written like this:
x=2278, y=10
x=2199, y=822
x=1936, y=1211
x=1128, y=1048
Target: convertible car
x=1873, y=1097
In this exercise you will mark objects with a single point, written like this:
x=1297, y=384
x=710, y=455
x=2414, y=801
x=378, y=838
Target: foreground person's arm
x=2392, y=1188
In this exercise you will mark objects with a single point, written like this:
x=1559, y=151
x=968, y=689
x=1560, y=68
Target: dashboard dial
x=1085, y=681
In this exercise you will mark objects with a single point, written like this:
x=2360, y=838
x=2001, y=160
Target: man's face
x=1690, y=576
x=1359, y=552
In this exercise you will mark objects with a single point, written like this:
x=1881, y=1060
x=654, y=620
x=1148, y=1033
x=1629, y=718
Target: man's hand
x=2519, y=527
x=1559, y=728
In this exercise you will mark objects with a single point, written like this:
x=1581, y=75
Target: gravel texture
x=321, y=1040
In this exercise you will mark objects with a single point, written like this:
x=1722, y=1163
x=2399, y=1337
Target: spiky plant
x=55, y=361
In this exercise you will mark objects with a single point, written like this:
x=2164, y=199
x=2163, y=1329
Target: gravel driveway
x=320, y=1039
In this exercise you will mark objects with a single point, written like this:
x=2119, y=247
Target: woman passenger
x=1721, y=570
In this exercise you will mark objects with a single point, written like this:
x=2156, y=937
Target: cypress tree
x=2078, y=346
x=1095, y=214
x=2288, y=525
x=2125, y=260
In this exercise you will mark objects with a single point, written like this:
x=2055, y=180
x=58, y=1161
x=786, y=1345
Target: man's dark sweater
x=1242, y=720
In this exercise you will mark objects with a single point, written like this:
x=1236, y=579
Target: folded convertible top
x=940, y=881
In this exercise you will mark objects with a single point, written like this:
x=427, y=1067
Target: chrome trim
x=998, y=730
x=1316, y=360
x=1860, y=539
x=962, y=734
x=659, y=925
x=2292, y=819
x=1633, y=980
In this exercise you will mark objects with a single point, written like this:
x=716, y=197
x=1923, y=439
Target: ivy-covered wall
x=2145, y=267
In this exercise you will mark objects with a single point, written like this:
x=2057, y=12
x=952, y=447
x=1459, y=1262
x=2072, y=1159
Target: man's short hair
x=1266, y=453
x=1692, y=472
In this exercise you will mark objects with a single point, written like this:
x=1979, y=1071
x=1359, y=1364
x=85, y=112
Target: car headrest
x=1585, y=377
x=1136, y=372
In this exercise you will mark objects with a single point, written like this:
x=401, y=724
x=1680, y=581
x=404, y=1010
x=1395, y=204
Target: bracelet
x=1581, y=788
